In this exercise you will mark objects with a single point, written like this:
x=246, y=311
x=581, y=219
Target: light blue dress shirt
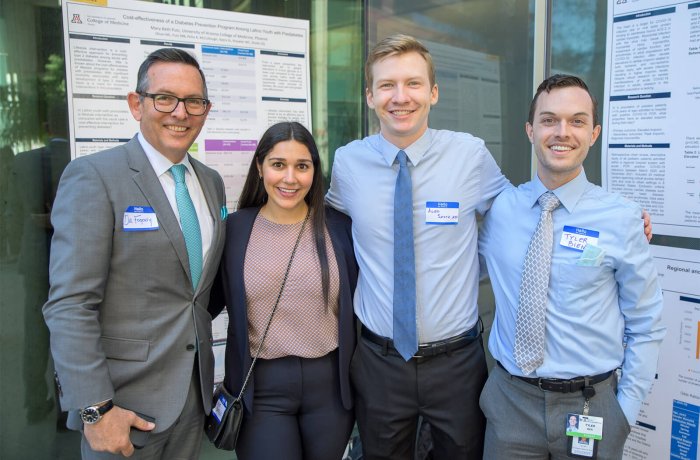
x=445, y=166
x=590, y=309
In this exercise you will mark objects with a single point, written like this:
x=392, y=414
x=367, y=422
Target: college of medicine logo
x=76, y=19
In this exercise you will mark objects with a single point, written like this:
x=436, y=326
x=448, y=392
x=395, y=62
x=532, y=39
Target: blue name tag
x=219, y=409
x=442, y=212
x=140, y=219
x=578, y=238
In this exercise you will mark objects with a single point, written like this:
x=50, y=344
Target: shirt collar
x=415, y=152
x=160, y=164
x=568, y=194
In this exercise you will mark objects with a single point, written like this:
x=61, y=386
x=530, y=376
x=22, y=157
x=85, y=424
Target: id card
x=140, y=219
x=583, y=432
x=578, y=447
x=577, y=238
x=584, y=426
x=442, y=212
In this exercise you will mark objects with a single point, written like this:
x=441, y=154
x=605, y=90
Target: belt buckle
x=429, y=350
x=539, y=384
x=421, y=356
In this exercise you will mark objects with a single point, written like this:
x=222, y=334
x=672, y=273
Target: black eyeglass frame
x=179, y=99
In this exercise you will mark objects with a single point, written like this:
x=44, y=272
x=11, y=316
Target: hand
x=111, y=433
x=647, y=224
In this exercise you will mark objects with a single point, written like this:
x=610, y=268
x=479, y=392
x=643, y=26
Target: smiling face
x=287, y=173
x=572, y=420
x=401, y=95
x=171, y=134
x=562, y=132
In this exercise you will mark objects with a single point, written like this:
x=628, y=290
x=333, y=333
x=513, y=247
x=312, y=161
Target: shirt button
x=190, y=347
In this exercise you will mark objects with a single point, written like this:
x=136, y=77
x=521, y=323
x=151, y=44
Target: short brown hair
x=169, y=55
x=562, y=81
x=395, y=45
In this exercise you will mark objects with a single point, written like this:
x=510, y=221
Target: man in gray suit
x=132, y=264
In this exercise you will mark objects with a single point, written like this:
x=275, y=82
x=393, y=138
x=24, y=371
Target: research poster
x=256, y=67
x=667, y=426
x=257, y=71
x=651, y=129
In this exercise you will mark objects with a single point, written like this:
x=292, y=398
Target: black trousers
x=297, y=411
x=391, y=394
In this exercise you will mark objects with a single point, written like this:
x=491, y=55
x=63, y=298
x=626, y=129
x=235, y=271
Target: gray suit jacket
x=125, y=322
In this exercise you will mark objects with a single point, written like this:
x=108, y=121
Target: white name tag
x=587, y=427
x=442, y=212
x=140, y=219
x=219, y=409
x=578, y=238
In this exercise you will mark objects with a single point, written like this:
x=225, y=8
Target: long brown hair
x=255, y=195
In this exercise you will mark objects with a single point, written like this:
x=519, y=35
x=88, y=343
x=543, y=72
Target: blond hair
x=395, y=45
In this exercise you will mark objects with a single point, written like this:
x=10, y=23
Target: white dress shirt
x=161, y=165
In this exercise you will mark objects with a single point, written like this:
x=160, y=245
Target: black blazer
x=229, y=290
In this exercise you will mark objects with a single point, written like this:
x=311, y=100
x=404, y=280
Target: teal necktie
x=405, y=337
x=189, y=223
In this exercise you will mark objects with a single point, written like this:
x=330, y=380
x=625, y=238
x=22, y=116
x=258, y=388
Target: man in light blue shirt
x=453, y=177
x=603, y=296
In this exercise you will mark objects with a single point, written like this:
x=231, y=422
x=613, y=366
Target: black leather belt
x=426, y=350
x=562, y=385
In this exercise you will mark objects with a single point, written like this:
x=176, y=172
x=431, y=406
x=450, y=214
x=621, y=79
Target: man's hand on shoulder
x=647, y=224
x=111, y=433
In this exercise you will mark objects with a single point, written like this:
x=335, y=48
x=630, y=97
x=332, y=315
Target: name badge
x=442, y=212
x=587, y=426
x=140, y=219
x=583, y=433
x=578, y=238
x=219, y=408
x=583, y=447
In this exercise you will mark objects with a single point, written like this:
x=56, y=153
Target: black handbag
x=224, y=423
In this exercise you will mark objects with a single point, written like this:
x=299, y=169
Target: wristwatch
x=93, y=414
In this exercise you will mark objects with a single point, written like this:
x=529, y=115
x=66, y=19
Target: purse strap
x=277, y=302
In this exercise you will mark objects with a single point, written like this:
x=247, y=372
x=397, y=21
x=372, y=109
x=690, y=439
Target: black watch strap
x=93, y=414
x=106, y=407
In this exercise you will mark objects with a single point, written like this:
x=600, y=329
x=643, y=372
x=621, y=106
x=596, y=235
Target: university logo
x=76, y=19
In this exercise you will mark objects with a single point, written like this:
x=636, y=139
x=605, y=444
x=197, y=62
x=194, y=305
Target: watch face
x=90, y=415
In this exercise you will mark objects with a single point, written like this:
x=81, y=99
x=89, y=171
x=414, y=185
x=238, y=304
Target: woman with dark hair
x=284, y=248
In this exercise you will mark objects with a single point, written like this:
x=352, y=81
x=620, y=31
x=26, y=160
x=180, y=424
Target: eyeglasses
x=167, y=103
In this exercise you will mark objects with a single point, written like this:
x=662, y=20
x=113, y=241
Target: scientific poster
x=651, y=129
x=667, y=426
x=257, y=71
x=256, y=67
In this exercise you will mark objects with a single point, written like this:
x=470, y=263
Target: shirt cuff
x=630, y=407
